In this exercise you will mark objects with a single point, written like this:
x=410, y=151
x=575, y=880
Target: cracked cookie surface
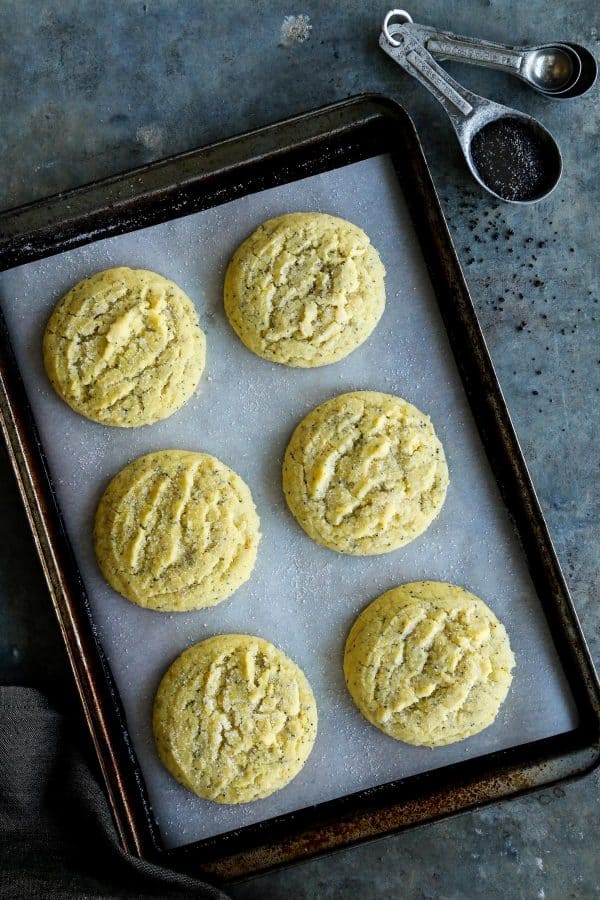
x=428, y=663
x=305, y=289
x=124, y=347
x=365, y=473
x=176, y=530
x=234, y=718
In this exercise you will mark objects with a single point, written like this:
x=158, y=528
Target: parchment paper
x=301, y=597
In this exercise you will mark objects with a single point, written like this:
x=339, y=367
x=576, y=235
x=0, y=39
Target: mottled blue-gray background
x=88, y=89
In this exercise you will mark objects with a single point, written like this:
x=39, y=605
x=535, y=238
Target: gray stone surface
x=90, y=88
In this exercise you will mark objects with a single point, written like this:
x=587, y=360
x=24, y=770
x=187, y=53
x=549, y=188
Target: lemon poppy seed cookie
x=234, y=718
x=124, y=347
x=365, y=473
x=305, y=289
x=176, y=530
x=428, y=663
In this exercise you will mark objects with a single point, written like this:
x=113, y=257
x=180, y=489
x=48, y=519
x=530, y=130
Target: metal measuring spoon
x=554, y=70
x=562, y=70
x=509, y=153
x=578, y=85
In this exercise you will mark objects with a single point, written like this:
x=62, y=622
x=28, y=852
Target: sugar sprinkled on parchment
x=295, y=30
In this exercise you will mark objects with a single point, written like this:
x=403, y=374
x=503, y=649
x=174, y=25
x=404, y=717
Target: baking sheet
x=301, y=597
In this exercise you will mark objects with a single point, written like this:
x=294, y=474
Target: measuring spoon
x=562, y=70
x=509, y=153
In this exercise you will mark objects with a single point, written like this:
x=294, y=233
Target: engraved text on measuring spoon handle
x=481, y=53
x=438, y=83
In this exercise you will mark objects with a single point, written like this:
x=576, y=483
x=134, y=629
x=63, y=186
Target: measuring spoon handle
x=445, y=45
x=412, y=56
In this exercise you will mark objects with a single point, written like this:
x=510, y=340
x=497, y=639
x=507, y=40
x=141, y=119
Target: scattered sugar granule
x=295, y=30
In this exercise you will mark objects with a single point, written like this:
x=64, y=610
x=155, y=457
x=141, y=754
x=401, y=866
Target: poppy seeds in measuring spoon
x=514, y=159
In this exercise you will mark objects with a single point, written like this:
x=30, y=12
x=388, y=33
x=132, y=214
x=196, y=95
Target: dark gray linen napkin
x=57, y=838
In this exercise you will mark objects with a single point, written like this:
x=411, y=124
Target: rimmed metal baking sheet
x=301, y=596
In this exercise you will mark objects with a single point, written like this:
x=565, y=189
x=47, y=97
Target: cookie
x=305, y=289
x=365, y=473
x=124, y=347
x=234, y=719
x=176, y=531
x=428, y=663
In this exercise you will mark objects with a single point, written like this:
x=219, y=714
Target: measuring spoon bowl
x=551, y=69
x=511, y=155
x=587, y=75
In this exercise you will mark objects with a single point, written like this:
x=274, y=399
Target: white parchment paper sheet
x=301, y=597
